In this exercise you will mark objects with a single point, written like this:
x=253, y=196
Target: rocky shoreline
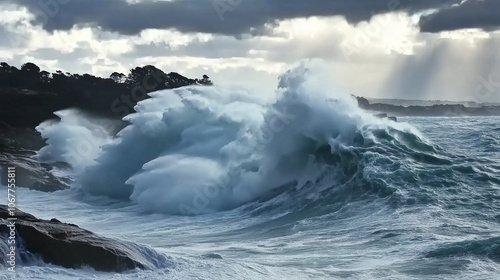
x=70, y=246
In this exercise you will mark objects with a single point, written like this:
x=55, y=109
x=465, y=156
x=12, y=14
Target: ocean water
x=301, y=185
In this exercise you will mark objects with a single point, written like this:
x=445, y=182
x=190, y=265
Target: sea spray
x=201, y=149
x=76, y=139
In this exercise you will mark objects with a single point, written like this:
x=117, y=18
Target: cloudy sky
x=413, y=49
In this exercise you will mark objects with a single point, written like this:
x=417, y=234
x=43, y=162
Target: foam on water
x=202, y=149
x=336, y=193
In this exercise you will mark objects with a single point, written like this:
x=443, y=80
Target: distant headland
x=428, y=108
x=30, y=95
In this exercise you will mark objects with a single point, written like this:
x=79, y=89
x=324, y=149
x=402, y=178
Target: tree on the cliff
x=4, y=68
x=205, y=81
x=149, y=77
x=30, y=76
x=118, y=77
x=45, y=77
x=30, y=68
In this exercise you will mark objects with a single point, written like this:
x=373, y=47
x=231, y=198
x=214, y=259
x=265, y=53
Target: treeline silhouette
x=30, y=95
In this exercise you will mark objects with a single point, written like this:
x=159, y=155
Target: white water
x=204, y=149
x=215, y=148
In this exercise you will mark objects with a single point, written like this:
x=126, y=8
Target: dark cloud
x=229, y=17
x=222, y=47
x=484, y=14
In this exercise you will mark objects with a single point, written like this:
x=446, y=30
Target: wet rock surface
x=70, y=246
x=17, y=147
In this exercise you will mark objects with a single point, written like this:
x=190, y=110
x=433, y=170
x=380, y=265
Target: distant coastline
x=417, y=102
x=428, y=108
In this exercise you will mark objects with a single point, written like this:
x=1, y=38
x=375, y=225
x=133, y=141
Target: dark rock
x=212, y=256
x=30, y=173
x=362, y=102
x=69, y=246
x=17, y=146
x=385, y=116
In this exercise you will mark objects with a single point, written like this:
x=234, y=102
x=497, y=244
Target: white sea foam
x=203, y=149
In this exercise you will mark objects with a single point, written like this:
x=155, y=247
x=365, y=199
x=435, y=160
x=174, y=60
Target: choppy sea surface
x=312, y=188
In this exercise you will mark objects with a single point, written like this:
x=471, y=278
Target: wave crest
x=201, y=149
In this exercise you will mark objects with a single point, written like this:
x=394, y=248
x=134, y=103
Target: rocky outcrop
x=31, y=174
x=17, y=146
x=385, y=116
x=69, y=246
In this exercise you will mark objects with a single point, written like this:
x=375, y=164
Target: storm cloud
x=483, y=14
x=227, y=17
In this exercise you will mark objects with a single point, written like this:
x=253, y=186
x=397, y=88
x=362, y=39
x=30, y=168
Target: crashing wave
x=202, y=149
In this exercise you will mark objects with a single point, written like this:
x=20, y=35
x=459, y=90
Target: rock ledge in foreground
x=69, y=246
